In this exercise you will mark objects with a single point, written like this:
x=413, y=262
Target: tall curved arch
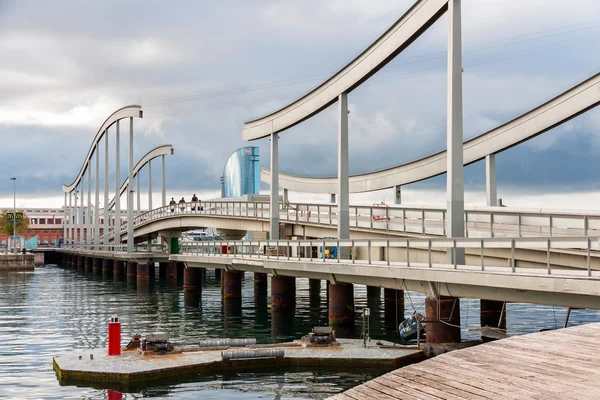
x=419, y=17
x=560, y=109
x=132, y=111
x=159, y=151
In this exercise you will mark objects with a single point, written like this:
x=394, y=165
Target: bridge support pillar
x=343, y=200
x=283, y=292
x=443, y=320
x=455, y=189
x=89, y=261
x=131, y=268
x=232, y=285
x=97, y=266
x=151, y=271
x=493, y=314
x=143, y=272
x=393, y=300
x=373, y=293
x=341, y=307
x=131, y=272
x=162, y=270
x=180, y=268
x=274, y=199
x=490, y=180
x=172, y=270
x=314, y=288
x=218, y=275
x=117, y=269
x=81, y=263
x=398, y=194
x=192, y=286
x=143, y=276
x=283, y=305
x=260, y=285
x=107, y=267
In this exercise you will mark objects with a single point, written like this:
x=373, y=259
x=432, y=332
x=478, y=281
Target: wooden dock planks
x=546, y=365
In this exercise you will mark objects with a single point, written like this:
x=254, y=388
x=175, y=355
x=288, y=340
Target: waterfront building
x=241, y=175
x=45, y=223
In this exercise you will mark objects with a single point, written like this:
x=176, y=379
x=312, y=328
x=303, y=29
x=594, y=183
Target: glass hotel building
x=241, y=174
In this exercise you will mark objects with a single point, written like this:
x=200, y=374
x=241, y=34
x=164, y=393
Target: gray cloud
x=201, y=69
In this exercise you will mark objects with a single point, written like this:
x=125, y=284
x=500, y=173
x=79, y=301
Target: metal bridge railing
x=414, y=252
x=114, y=248
x=482, y=222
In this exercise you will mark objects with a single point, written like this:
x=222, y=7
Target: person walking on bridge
x=182, y=204
x=172, y=204
x=194, y=200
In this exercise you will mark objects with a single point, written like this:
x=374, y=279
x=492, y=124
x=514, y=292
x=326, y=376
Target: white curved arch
x=569, y=104
x=122, y=113
x=164, y=150
x=419, y=17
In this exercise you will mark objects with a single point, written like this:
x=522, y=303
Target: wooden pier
x=546, y=365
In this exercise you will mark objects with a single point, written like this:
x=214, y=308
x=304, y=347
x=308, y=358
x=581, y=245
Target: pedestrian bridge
x=402, y=264
x=319, y=220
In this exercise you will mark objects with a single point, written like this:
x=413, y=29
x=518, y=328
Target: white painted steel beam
x=455, y=190
x=130, y=244
x=419, y=17
x=75, y=215
x=490, y=180
x=81, y=210
x=343, y=206
x=97, y=199
x=122, y=113
x=560, y=109
x=163, y=182
x=160, y=151
x=117, y=198
x=274, y=200
x=65, y=222
x=89, y=199
x=138, y=192
x=149, y=185
x=106, y=210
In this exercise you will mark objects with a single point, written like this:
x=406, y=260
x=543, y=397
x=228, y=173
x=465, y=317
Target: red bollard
x=112, y=395
x=114, y=336
x=223, y=249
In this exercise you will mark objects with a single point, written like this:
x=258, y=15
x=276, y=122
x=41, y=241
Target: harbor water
x=54, y=310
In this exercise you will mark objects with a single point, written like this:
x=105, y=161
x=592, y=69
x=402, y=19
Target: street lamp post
x=14, y=210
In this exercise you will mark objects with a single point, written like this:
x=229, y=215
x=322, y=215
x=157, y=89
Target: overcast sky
x=200, y=69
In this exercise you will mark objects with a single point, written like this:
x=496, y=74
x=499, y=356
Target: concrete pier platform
x=545, y=365
x=135, y=370
x=17, y=262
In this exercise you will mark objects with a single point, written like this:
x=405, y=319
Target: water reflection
x=53, y=310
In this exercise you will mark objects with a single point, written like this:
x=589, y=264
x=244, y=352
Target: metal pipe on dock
x=227, y=342
x=262, y=353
